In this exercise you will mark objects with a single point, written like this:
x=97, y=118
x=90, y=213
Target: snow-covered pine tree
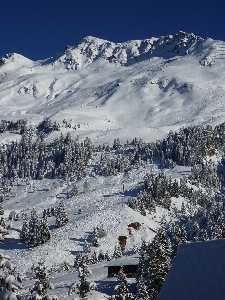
x=142, y=293
x=73, y=191
x=143, y=257
x=94, y=258
x=24, y=234
x=1, y=210
x=101, y=256
x=45, y=234
x=179, y=237
x=34, y=233
x=95, y=241
x=101, y=232
x=2, y=222
x=41, y=286
x=108, y=256
x=61, y=216
x=117, y=252
x=83, y=286
x=86, y=247
x=158, y=264
x=122, y=287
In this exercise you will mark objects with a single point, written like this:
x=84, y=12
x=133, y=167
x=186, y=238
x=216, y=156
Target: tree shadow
x=13, y=244
x=106, y=286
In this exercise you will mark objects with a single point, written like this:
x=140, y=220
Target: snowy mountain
x=118, y=89
x=80, y=107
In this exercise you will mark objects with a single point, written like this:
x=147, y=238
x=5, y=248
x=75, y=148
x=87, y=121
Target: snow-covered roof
x=197, y=272
x=125, y=260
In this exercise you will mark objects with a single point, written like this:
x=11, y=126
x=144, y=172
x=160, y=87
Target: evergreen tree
x=61, y=217
x=1, y=210
x=24, y=235
x=94, y=258
x=34, y=233
x=122, y=287
x=72, y=192
x=101, y=256
x=135, y=249
x=45, y=234
x=142, y=260
x=82, y=287
x=117, y=252
x=108, y=256
x=179, y=237
x=86, y=247
x=42, y=284
x=158, y=264
x=142, y=293
x=95, y=241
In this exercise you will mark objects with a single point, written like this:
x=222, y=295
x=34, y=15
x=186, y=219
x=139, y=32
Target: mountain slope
x=105, y=90
x=133, y=86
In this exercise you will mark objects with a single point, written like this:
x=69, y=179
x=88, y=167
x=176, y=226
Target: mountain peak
x=92, y=48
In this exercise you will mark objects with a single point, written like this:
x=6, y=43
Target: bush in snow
x=101, y=232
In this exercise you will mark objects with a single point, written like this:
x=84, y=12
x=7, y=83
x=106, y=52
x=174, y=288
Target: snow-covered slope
x=105, y=90
x=119, y=89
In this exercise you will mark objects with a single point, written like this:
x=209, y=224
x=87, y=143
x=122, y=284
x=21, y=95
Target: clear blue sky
x=39, y=29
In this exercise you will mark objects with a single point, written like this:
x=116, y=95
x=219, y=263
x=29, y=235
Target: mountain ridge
x=173, y=80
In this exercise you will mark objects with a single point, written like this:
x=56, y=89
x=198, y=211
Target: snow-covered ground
x=139, y=89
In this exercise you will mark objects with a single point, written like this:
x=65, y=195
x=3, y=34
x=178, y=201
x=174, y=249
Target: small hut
x=130, y=266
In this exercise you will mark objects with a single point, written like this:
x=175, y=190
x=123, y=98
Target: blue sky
x=39, y=29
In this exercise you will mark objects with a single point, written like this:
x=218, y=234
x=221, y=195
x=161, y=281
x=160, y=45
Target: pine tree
x=108, y=256
x=101, y=256
x=94, y=258
x=142, y=293
x=122, y=287
x=72, y=192
x=61, y=217
x=34, y=234
x=45, y=234
x=179, y=237
x=142, y=260
x=95, y=242
x=82, y=287
x=1, y=210
x=42, y=284
x=135, y=249
x=86, y=247
x=24, y=235
x=117, y=252
x=158, y=264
